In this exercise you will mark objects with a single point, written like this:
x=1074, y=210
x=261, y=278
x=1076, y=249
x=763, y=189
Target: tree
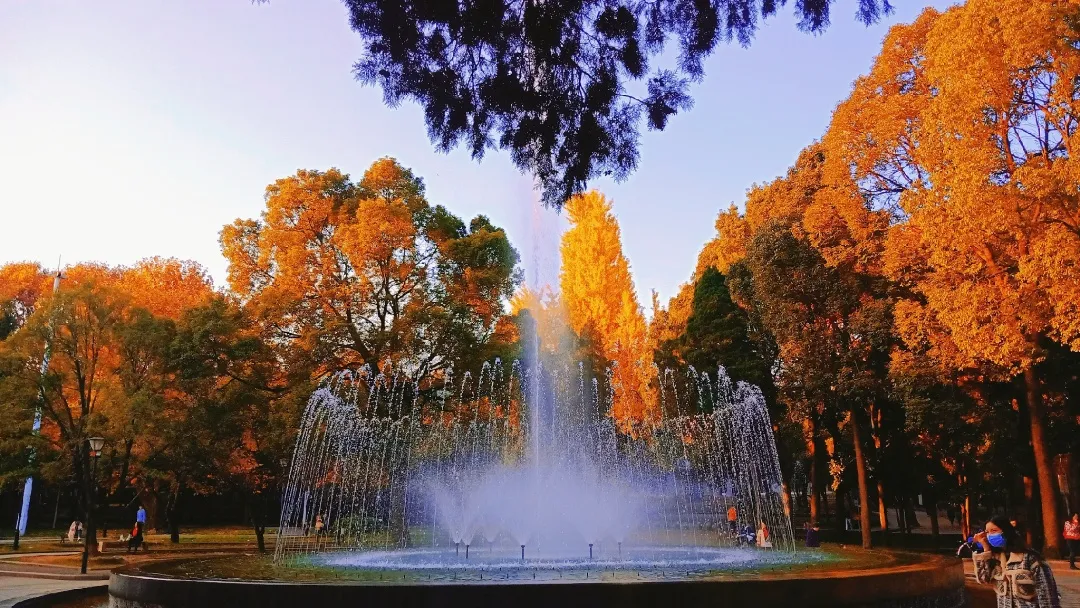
x=969, y=151
x=352, y=274
x=718, y=333
x=811, y=309
x=602, y=307
x=220, y=360
x=79, y=323
x=22, y=285
x=558, y=84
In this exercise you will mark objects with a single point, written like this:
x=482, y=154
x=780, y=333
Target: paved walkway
x=14, y=589
x=23, y=581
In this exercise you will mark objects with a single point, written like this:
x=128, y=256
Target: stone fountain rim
x=925, y=564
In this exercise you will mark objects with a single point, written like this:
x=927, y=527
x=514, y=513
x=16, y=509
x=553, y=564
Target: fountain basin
x=897, y=581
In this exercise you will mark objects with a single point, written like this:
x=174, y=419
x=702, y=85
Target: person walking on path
x=1072, y=539
x=136, y=539
x=732, y=519
x=1020, y=576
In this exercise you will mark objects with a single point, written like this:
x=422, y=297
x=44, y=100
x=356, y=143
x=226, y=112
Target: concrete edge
x=57, y=576
x=933, y=576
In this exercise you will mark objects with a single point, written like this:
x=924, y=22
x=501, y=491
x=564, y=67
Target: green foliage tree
x=718, y=333
x=555, y=83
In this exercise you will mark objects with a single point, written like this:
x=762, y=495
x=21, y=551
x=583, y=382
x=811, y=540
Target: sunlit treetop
x=560, y=84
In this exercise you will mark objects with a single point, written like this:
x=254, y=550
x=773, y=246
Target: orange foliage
x=23, y=282
x=166, y=287
x=784, y=200
x=963, y=133
x=602, y=306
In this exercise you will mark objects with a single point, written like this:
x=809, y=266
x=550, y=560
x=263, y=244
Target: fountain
x=566, y=505
x=404, y=470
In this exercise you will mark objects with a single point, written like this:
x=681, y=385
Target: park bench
x=104, y=545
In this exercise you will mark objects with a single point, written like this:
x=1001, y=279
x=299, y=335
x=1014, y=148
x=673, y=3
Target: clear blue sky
x=132, y=128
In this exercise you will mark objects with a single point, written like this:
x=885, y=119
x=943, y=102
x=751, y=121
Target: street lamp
x=96, y=444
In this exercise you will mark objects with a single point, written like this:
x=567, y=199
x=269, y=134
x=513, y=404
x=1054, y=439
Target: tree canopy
x=353, y=274
x=563, y=84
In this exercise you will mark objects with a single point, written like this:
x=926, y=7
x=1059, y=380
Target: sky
x=134, y=128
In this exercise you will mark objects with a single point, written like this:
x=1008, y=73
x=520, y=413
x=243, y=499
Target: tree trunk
x=255, y=511
x=810, y=434
x=150, y=500
x=864, y=490
x=125, y=467
x=931, y=510
x=84, y=466
x=171, y=515
x=1031, y=512
x=56, y=509
x=883, y=510
x=1048, y=487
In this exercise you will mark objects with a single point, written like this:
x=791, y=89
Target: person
x=140, y=516
x=1021, y=578
x=951, y=514
x=1072, y=538
x=732, y=519
x=319, y=525
x=136, y=538
x=813, y=535
x=72, y=534
x=747, y=535
x=78, y=531
x=763, y=536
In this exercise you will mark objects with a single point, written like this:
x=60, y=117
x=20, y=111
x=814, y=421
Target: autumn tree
x=78, y=324
x=353, y=274
x=602, y=307
x=969, y=150
x=22, y=286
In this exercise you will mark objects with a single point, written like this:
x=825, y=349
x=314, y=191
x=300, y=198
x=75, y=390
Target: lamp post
x=96, y=444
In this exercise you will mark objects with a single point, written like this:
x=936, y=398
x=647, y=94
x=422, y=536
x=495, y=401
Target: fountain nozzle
x=457, y=550
x=590, y=550
x=522, y=552
x=620, y=549
x=466, y=550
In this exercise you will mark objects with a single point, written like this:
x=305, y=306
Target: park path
x=23, y=581
x=14, y=589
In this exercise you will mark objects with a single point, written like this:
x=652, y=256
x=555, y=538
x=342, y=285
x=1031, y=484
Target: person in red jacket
x=1072, y=538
